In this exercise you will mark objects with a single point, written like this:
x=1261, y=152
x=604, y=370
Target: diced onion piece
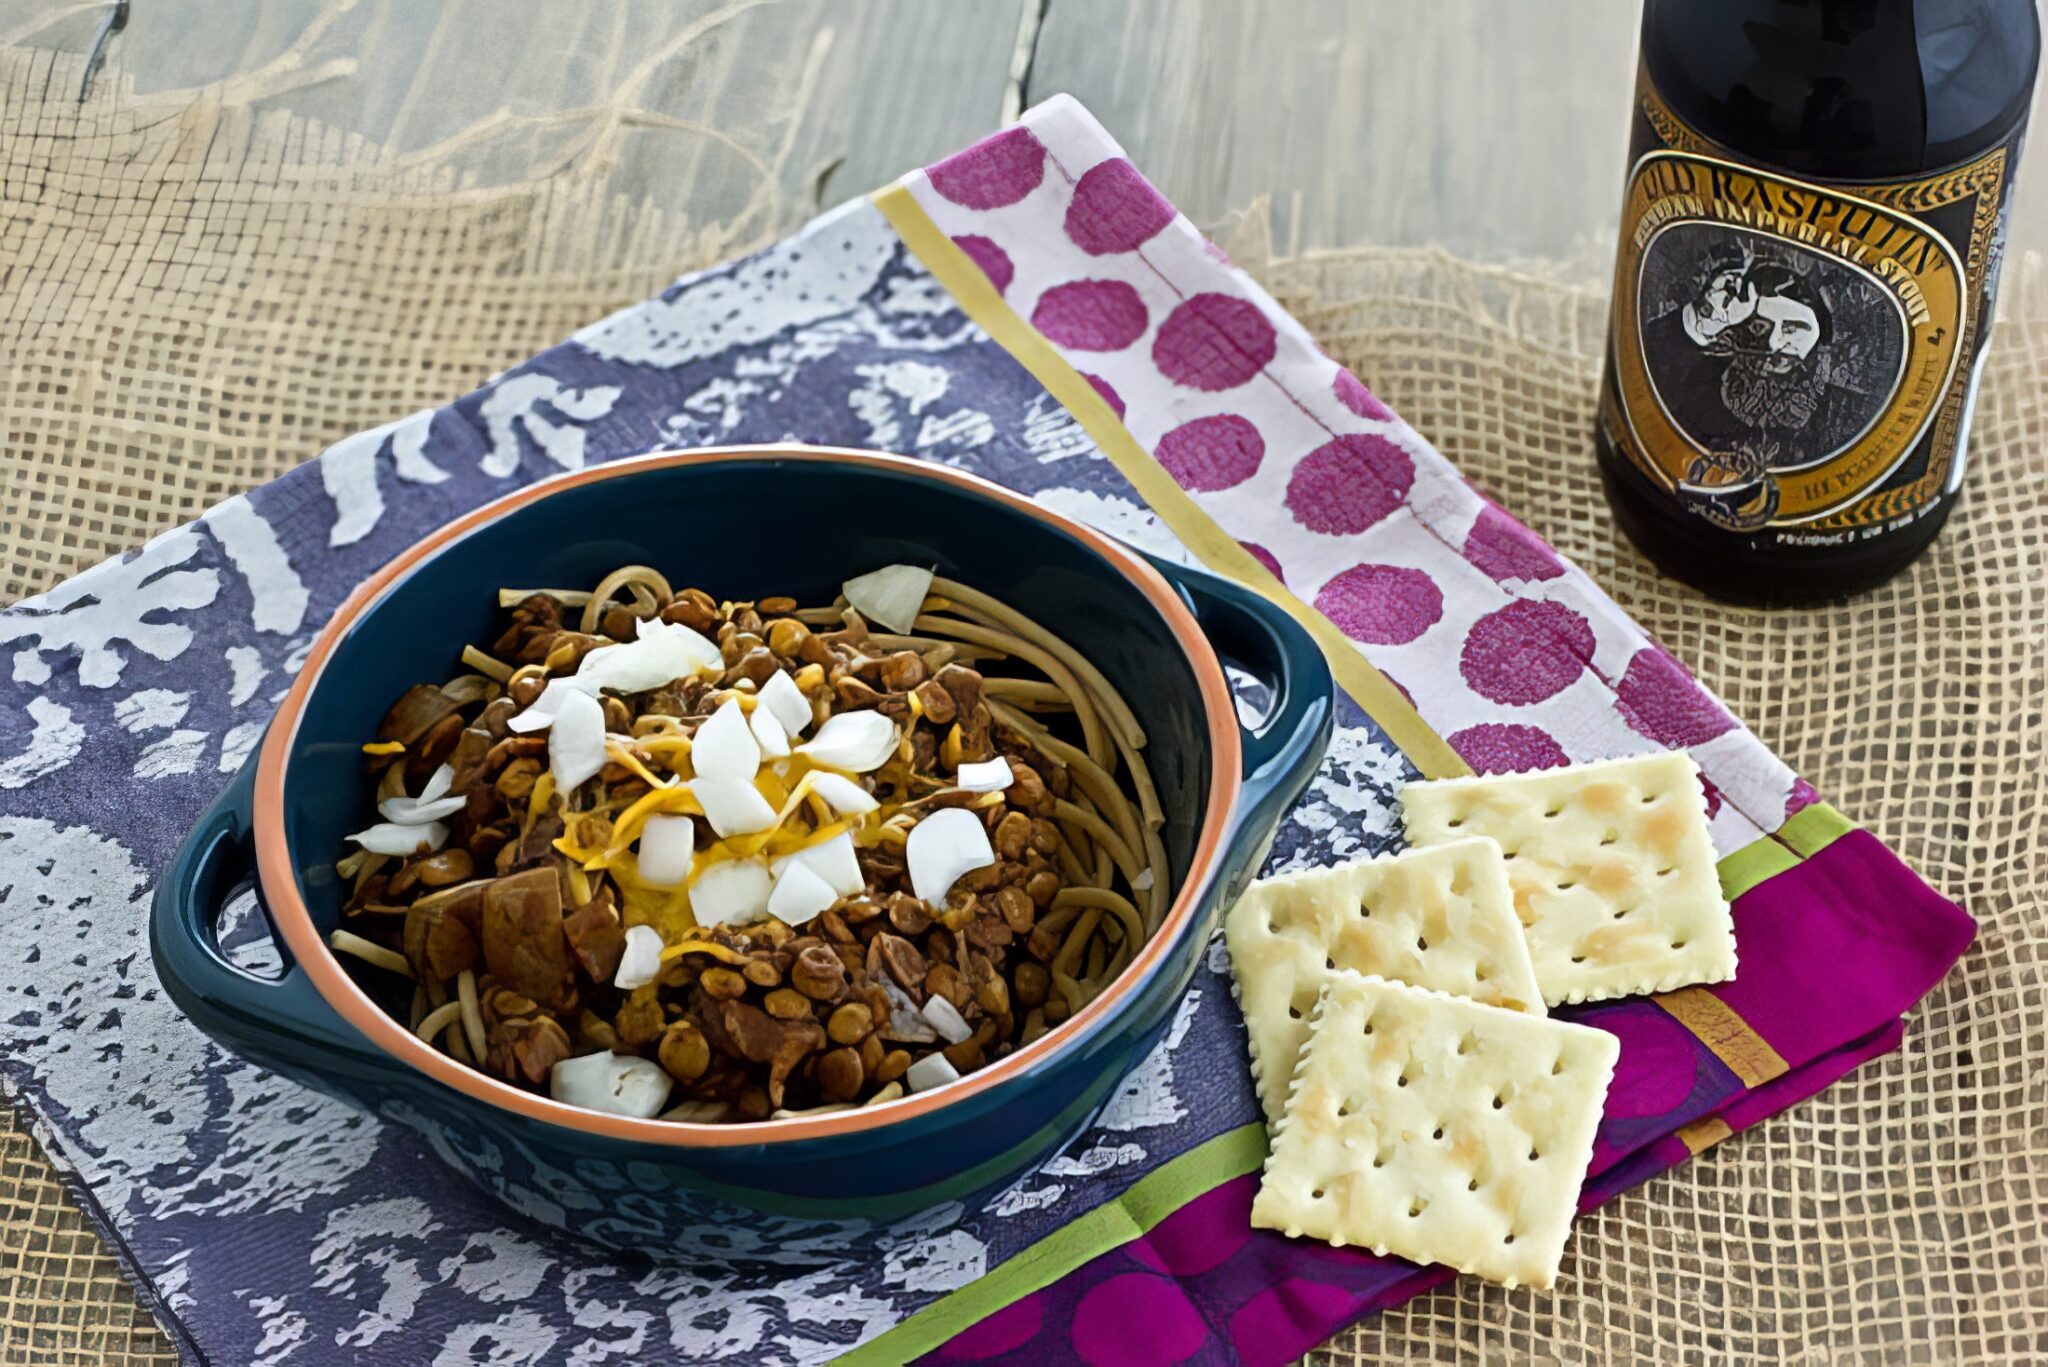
x=1144, y=881
x=781, y=696
x=834, y=861
x=768, y=732
x=800, y=893
x=388, y=837
x=985, y=776
x=576, y=742
x=663, y=653
x=724, y=748
x=733, y=807
x=946, y=1019
x=855, y=742
x=618, y=1084
x=943, y=848
x=667, y=843
x=641, y=960
x=413, y=811
x=904, y=1024
x=933, y=1070
x=892, y=595
x=698, y=647
x=653, y=659
x=842, y=794
x=438, y=783
x=731, y=892
x=540, y=714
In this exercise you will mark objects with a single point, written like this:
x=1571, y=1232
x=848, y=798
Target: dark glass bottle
x=1810, y=243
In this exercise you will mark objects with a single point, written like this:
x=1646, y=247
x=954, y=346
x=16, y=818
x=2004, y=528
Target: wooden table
x=1490, y=128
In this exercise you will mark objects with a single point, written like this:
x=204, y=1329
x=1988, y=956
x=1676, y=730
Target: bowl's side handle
x=1283, y=750
x=277, y=1021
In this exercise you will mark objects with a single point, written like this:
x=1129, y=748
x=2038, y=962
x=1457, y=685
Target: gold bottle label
x=1795, y=356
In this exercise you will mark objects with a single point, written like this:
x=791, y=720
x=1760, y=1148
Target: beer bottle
x=1810, y=242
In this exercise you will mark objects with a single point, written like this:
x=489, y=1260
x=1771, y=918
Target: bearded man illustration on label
x=1743, y=351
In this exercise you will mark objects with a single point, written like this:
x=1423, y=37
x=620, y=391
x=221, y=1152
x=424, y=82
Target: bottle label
x=1792, y=359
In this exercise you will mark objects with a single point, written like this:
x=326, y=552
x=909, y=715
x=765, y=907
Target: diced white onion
x=430, y=805
x=781, y=696
x=618, y=1084
x=946, y=1019
x=540, y=714
x=892, y=595
x=662, y=653
x=732, y=807
x=904, y=1024
x=834, y=861
x=933, y=1070
x=731, y=892
x=942, y=848
x=724, y=747
x=388, y=837
x=799, y=894
x=985, y=776
x=438, y=782
x=576, y=742
x=642, y=959
x=667, y=842
x=855, y=742
x=768, y=732
x=701, y=650
x=659, y=655
x=1144, y=881
x=411, y=811
x=842, y=794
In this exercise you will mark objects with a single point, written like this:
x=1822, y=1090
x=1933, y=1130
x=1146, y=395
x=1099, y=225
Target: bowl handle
x=269, y=1019
x=1283, y=750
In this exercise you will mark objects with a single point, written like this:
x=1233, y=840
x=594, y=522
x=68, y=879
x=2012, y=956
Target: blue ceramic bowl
x=741, y=524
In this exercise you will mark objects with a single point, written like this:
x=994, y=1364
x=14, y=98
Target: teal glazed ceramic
x=742, y=524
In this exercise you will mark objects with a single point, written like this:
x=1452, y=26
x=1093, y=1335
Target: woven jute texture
x=192, y=301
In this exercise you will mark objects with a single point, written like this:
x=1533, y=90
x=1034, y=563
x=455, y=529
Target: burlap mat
x=192, y=300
